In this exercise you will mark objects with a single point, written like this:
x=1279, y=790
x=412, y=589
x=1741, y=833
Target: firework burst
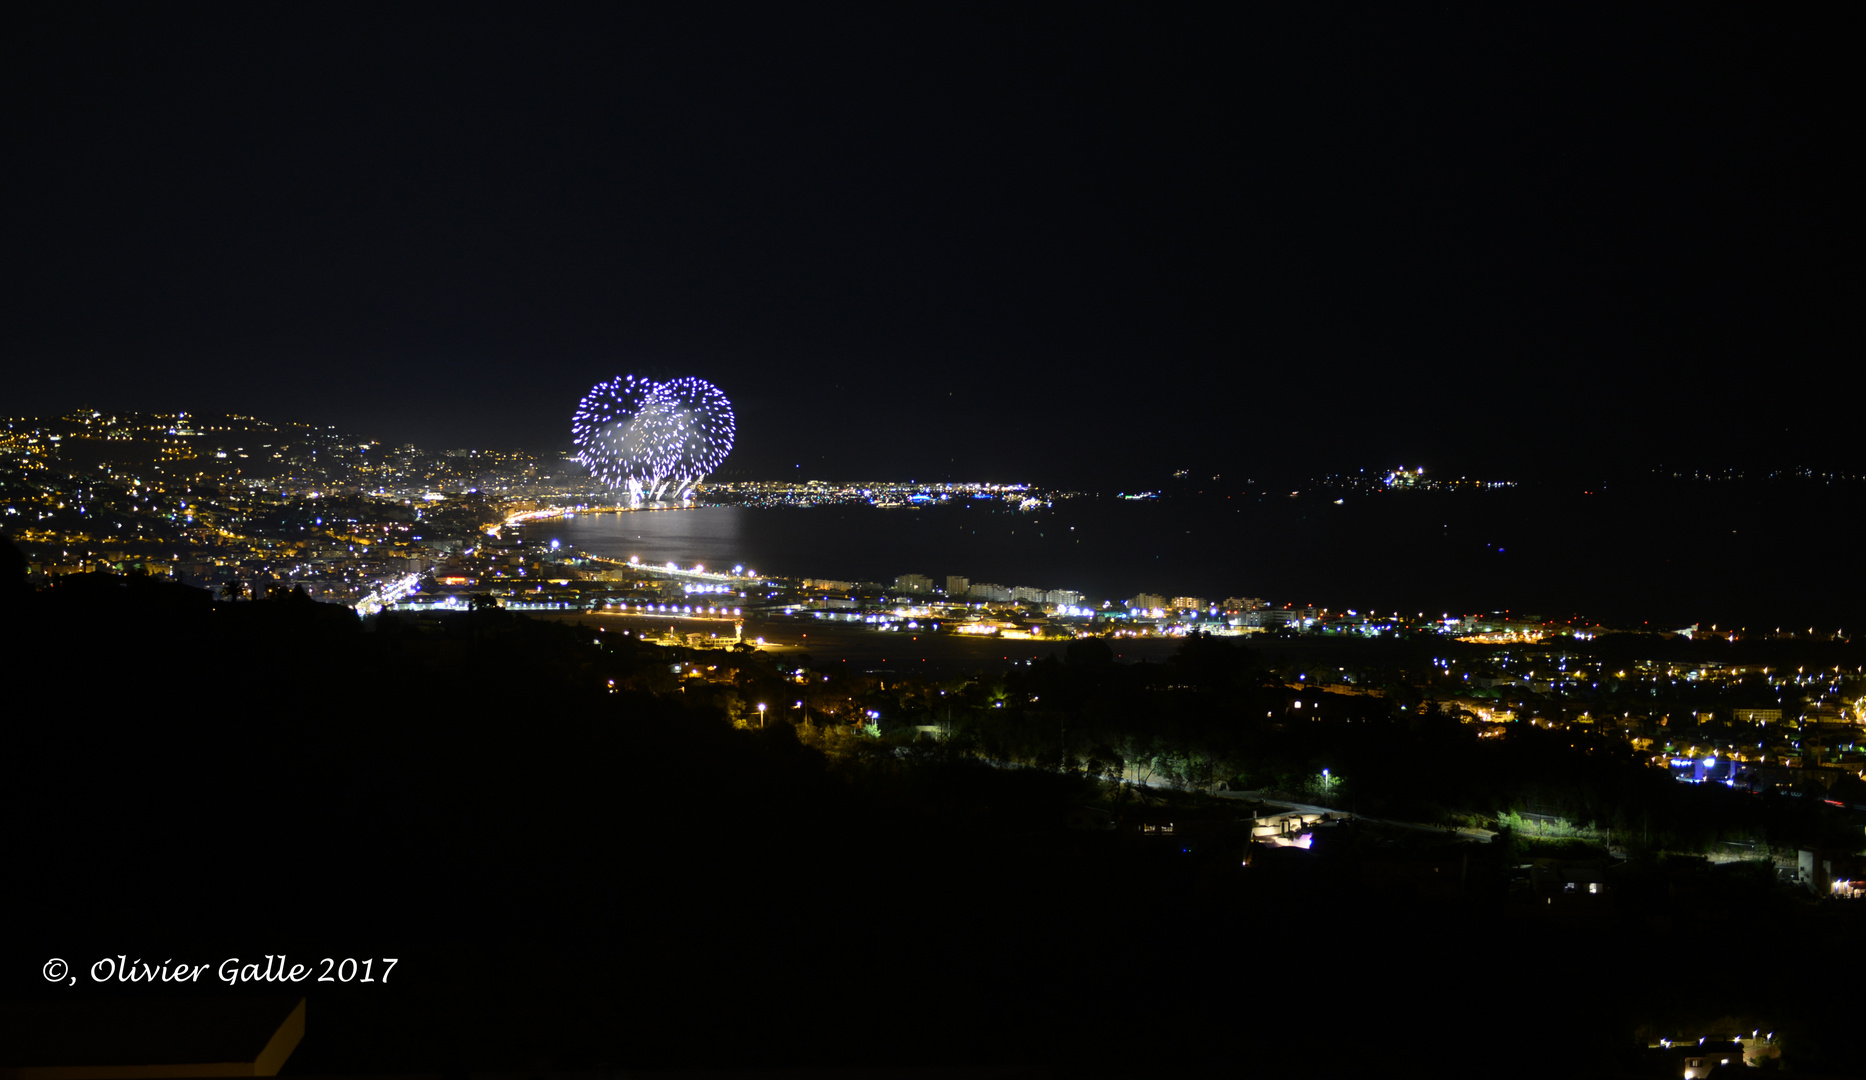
x=641, y=435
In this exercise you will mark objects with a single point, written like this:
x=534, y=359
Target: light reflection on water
x=854, y=543
x=710, y=535
x=1634, y=558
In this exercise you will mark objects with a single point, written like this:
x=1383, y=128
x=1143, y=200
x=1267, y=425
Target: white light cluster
x=642, y=435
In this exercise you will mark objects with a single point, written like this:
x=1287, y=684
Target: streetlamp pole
x=761, y=714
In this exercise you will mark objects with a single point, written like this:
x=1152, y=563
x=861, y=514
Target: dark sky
x=1054, y=243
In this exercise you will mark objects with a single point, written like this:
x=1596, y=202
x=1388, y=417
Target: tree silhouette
x=12, y=571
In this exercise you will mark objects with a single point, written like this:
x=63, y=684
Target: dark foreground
x=573, y=879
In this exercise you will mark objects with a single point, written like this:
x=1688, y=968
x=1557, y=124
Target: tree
x=1088, y=652
x=1104, y=760
x=1210, y=663
x=233, y=590
x=12, y=570
x=1143, y=755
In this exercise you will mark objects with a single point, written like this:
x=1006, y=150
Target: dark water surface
x=1667, y=555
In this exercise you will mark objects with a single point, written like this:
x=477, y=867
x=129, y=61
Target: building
x=1025, y=592
x=1147, y=601
x=1836, y=873
x=1063, y=598
x=984, y=591
x=957, y=586
x=1237, y=605
x=1272, y=617
x=1825, y=714
x=916, y=584
x=1700, y=1060
x=1188, y=603
x=1756, y=716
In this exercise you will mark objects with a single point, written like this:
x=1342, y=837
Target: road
x=388, y=593
x=1474, y=835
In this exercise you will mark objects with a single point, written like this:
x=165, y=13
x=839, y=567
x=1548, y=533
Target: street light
x=761, y=714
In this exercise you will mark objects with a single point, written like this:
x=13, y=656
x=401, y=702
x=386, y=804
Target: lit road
x=1482, y=835
x=388, y=593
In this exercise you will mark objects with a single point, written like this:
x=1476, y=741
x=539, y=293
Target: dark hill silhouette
x=12, y=571
x=594, y=879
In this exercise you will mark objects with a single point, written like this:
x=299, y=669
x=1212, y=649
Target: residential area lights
x=215, y=500
x=349, y=520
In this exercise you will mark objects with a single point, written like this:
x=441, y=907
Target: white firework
x=634, y=433
x=693, y=429
x=609, y=434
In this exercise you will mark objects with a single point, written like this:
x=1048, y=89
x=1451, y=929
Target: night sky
x=1065, y=243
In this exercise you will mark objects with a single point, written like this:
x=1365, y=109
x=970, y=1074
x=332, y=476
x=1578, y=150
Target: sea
x=1654, y=555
